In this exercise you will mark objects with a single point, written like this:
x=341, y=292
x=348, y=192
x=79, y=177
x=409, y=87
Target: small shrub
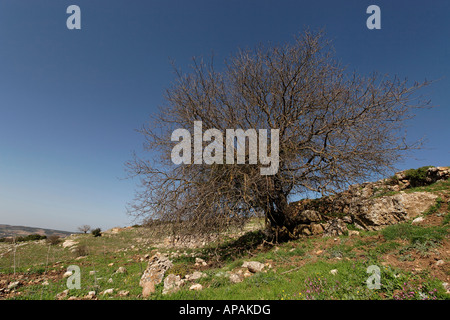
x=53, y=239
x=181, y=270
x=446, y=219
x=417, y=177
x=81, y=251
x=392, y=181
x=97, y=232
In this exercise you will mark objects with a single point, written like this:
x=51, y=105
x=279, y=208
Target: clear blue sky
x=70, y=100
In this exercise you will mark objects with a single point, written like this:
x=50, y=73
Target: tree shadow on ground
x=246, y=244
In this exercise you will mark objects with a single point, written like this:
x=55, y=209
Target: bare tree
x=84, y=228
x=335, y=128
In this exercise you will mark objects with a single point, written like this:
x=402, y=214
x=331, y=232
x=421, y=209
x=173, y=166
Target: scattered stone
x=172, y=283
x=253, y=266
x=67, y=274
x=123, y=293
x=221, y=274
x=13, y=285
x=200, y=262
x=111, y=264
x=334, y=227
x=121, y=270
x=446, y=287
x=353, y=233
x=196, y=287
x=236, y=277
x=62, y=295
x=334, y=272
x=45, y=283
x=195, y=276
x=90, y=296
x=417, y=220
x=247, y=274
x=110, y=280
x=440, y=262
x=92, y=272
x=108, y=291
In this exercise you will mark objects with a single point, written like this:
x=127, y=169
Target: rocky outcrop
x=154, y=273
x=369, y=205
x=373, y=214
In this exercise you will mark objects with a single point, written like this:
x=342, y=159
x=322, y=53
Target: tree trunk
x=279, y=222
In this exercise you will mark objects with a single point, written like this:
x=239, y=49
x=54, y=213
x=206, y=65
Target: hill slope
x=9, y=231
x=412, y=257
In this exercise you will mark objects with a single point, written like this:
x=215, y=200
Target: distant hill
x=7, y=230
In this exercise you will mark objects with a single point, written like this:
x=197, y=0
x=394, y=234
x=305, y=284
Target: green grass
x=415, y=233
x=315, y=282
x=434, y=208
x=297, y=273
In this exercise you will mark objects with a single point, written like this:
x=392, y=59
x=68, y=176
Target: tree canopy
x=335, y=128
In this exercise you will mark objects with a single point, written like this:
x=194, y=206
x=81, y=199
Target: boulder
x=90, y=296
x=253, y=266
x=108, y=291
x=154, y=273
x=195, y=276
x=62, y=295
x=353, y=233
x=316, y=228
x=308, y=216
x=121, y=270
x=373, y=214
x=236, y=277
x=69, y=243
x=418, y=220
x=123, y=293
x=147, y=289
x=200, y=262
x=13, y=285
x=172, y=283
x=334, y=227
x=196, y=287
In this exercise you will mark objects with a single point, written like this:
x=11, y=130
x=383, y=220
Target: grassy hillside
x=413, y=259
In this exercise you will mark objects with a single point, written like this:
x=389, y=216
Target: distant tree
x=335, y=127
x=84, y=228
